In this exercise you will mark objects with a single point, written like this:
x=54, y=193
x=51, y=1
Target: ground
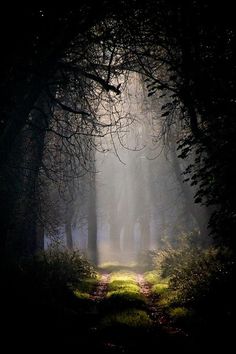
x=127, y=314
x=122, y=310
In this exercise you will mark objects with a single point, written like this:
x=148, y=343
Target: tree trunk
x=22, y=236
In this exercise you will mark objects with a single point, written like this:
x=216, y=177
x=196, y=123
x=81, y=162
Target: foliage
x=56, y=270
x=200, y=280
x=87, y=285
x=159, y=285
x=153, y=277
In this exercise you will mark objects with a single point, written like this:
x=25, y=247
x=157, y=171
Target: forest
x=117, y=176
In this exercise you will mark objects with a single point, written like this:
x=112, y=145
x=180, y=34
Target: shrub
x=199, y=278
x=54, y=269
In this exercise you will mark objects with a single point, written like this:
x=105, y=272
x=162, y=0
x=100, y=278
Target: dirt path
x=129, y=339
x=145, y=290
x=154, y=311
x=101, y=289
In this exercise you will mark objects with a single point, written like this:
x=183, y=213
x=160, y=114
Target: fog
x=140, y=201
x=132, y=197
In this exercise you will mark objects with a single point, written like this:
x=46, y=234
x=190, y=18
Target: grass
x=153, y=278
x=159, y=286
x=179, y=313
x=89, y=284
x=81, y=295
x=123, y=291
x=159, y=289
x=111, y=267
x=168, y=299
x=123, y=276
x=123, y=299
x=132, y=318
x=86, y=288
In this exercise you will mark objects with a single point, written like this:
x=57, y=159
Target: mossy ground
x=132, y=318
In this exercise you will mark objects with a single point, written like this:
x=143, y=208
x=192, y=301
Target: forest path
x=154, y=310
x=127, y=317
x=101, y=289
x=145, y=288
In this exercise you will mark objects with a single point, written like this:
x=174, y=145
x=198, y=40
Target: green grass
x=86, y=288
x=111, y=267
x=81, y=295
x=88, y=285
x=159, y=289
x=132, y=318
x=168, y=299
x=123, y=291
x=159, y=286
x=125, y=298
x=153, y=277
x=121, y=284
x=123, y=277
x=179, y=313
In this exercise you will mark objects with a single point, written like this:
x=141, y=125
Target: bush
x=201, y=279
x=55, y=268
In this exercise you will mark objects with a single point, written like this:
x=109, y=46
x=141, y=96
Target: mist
x=141, y=204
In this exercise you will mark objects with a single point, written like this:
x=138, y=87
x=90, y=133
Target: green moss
x=125, y=298
x=123, y=285
x=168, y=299
x=81, y=295
x=123, y=276
x=179, y=312
x=153, y=277
x=133, y=318
x=123, y=291
x=159, y=289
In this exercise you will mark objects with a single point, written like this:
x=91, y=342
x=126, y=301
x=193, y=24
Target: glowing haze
x=139, y=199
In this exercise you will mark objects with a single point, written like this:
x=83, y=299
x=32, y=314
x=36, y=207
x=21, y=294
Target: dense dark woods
x=64, y=70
